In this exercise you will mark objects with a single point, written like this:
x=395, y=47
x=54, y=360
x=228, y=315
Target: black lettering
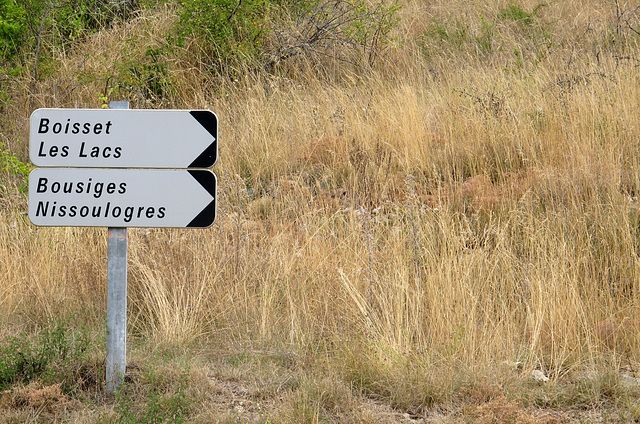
x=80, y=187
x=70, y=127
x=95, y=152
x=42, y=185
x=123, y=188
x=53, y=151
x=106, y=152
x=116, y=211
x=128, y=214
x=150, y=212
x=140, y=210
x=68, y=187
x=82, y=154
x=73, y=211
x=117, y=152
x=42, y=209
x=96, y=211
x=84, y=211
x=111, y=188
x=62, y=211
x=161, y=212
x=44, y=126
x=97, y=189
x=55, y=187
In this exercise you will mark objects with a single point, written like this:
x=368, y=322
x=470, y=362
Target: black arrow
x=208, y=181
x=209, y=122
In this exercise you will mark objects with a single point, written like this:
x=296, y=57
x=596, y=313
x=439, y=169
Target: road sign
x=123, y=138
x=122, y=197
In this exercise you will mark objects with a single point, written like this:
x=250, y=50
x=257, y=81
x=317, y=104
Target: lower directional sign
x=111, y=197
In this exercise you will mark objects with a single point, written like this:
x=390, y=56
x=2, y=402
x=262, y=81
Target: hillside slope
x=430, y=215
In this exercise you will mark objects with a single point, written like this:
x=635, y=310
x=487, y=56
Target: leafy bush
x=266, y=33
x=29, y=29
x=146, y=78
x=11, y=164
x=52, y=357
x=337, y=30
x=75, y=18
x=234, y=30
x=12, y=27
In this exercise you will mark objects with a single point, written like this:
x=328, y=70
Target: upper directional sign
x=123, y=138
x=122, y=197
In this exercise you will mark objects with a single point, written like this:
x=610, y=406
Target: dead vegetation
x=388, y=236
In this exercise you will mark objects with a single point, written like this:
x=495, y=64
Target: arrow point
x=208, y=181
x=205, y=218
x=209, y=122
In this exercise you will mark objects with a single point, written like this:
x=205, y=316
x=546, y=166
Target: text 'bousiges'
x=85, y=197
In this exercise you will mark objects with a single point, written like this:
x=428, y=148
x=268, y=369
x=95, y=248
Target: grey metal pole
x=116, y=299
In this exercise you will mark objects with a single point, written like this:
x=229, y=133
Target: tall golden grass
x=466, y=201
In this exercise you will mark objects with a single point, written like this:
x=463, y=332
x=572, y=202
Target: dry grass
x=459, y=205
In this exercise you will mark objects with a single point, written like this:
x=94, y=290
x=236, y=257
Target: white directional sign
x=122, y=197
x=123, y=138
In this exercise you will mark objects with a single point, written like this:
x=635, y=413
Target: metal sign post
x=117, y=239
x=116, y=308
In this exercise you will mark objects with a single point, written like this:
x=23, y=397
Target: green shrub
x=232, y=30
x=53, y=356
x=147, y=77
x=72, y=19
x=266, y=33
x=341, y=30
x=30, y=29
x=12, y=165
x=13, y=18
x=515, y=13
